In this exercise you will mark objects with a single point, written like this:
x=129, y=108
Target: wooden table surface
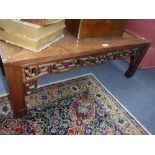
x=68, y=47
x=24, y=67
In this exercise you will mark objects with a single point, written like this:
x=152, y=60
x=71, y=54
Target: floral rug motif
x=80, y=106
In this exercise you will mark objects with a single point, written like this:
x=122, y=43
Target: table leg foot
x=128, y=74
x=20, y=113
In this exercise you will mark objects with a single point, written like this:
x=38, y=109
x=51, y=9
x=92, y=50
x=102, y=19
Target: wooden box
x=30, y=30
x=83, y=28
x=30, y=36
x=29, y=43
x=42, y=22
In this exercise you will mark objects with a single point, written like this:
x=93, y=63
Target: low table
x=24, y=67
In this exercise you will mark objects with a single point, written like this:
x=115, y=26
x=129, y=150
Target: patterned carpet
x=80, y=106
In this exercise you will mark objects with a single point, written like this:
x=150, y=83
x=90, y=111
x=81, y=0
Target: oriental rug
x=79, y=106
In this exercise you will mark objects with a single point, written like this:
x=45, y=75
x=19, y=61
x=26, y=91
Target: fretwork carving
x=30, y=87
x=32, y=72
x=35, y=71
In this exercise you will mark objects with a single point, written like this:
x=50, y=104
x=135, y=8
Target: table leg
x=2, y=67
x=135, y=60
x=16, y=89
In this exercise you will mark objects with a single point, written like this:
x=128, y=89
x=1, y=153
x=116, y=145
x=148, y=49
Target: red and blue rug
x=80, y=106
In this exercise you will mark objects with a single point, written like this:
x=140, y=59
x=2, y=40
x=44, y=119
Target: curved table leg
x=135, y=60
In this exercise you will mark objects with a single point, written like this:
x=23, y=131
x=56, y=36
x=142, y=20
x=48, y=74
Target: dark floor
x=137, y=94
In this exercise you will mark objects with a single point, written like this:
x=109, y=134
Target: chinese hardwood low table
x=23, y=67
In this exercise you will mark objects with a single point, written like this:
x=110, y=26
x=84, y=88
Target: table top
x=69, y=47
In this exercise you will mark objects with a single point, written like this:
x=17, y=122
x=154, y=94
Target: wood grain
x=84, y=28
x=68, y=47
x=23, y=67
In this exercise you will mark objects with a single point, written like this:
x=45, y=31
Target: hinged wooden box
x=83, y=28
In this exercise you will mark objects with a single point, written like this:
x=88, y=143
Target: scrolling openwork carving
x=33, y=72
